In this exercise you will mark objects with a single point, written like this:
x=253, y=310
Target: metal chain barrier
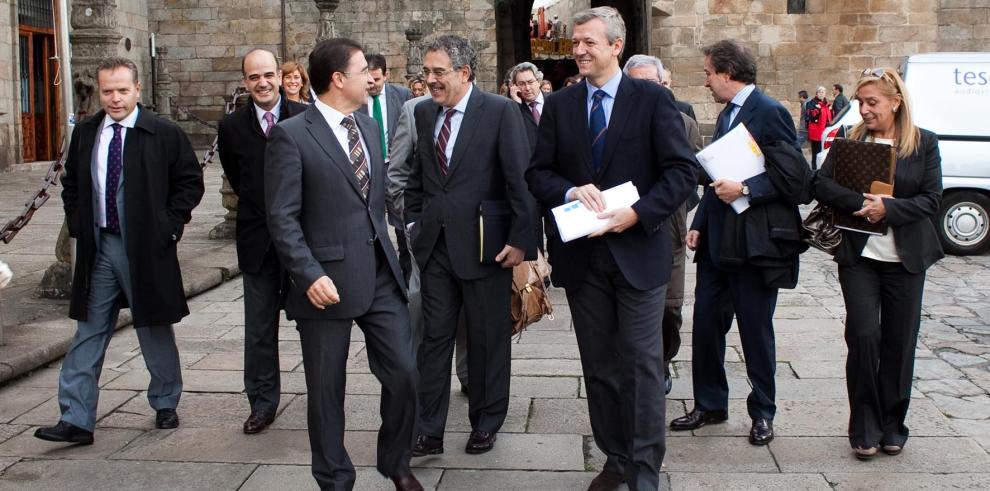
x=10, y=230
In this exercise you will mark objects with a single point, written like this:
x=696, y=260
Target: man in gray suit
x=472, y=149
x=325, y=198
x=384, y=104
x=131, y=182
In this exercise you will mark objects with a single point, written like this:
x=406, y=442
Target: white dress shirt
x=333, y=118
x=100, y=182
x=739, y=100
x=882, y=247
x=455, y=122
x=611, y=88
x=261, y=114
x=539, y=104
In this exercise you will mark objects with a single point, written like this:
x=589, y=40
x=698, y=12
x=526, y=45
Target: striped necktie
x=356, y=154
x=597, y=129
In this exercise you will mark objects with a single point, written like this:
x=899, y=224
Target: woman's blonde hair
x=890, y=84
x=294, y=66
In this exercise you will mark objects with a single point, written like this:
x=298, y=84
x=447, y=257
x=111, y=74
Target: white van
x=950, y=95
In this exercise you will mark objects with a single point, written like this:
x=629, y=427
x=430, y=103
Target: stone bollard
x=226, y=229
x=5, y=276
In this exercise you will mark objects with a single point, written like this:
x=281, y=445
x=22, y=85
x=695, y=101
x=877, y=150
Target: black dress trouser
x=883, y=315
x=618, y=333
x=262, y=302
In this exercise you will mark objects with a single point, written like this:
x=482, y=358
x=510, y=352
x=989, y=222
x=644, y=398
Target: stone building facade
x=800, y=43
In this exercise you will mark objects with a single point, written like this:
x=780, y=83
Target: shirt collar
x=127, y=122
x=462, y=104
x=610, y=87
x=275, y=110
x=743, y=94
x=333, y=116
x=539, y=99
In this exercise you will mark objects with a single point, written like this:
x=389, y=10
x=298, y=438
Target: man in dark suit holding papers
x=593, y=136
x=472, y=150
x=731, y=280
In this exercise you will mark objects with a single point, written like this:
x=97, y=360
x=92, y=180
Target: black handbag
x=818, y=230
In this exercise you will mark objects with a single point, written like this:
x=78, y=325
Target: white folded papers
x=575, y=221
x=734, y=156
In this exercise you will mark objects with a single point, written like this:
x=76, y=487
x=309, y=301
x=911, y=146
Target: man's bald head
x=258, y=55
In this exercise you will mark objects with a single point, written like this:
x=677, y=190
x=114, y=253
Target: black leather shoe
x=65, y=432
x=762, y=431
x=258, y=421
x=668, y=383
x=698, y=418
x=407, y=482
x=166, y=419
x=480, y=442
x=427, y=445
x=606, y=481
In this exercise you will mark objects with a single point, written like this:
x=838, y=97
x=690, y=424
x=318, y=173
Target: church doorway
x=547, y=46
x=38, y=94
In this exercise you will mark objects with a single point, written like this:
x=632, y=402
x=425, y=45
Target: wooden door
x=39, y=94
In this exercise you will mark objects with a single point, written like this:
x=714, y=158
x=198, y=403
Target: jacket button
x=371, y=241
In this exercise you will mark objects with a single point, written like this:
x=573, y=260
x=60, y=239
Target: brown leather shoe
x=407, y=482
x=606, y=481
x=258, y=421
x=480, y=442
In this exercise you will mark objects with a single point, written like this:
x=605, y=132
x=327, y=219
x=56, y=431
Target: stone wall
x=132, y=18
x=964, y=25
x=10, y=110
x=206, y=40
x=830, y=43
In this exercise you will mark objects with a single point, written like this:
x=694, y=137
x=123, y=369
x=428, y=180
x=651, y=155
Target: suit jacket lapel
x=469, y=123
x=621, y=108
x=577, y=114
x=325, y=138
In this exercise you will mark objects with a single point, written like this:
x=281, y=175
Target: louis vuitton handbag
x=529, y=293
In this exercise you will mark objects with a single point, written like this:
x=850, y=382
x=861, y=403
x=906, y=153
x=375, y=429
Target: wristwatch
x=745, y=190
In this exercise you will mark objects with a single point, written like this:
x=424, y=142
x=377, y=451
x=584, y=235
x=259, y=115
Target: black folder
x=494, y=220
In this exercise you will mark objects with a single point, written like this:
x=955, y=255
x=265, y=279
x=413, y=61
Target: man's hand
x=873, y=209
x=727, y=190
x=322, y=293
x=590, y=196
x=510, y=256
x=618, y=221
x=691, y=239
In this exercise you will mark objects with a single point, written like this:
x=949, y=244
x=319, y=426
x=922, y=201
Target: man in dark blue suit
x=595, y=135
x=729, y=281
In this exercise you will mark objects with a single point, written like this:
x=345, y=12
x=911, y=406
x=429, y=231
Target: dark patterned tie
x=115, y=164
x=356, y=154
x=596, y=129
x=270, y=120
x=535, y=111
x=441, y=147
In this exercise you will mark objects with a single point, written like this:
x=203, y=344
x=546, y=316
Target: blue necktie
x=115, y=164
x=596, y=129
x=726, y=118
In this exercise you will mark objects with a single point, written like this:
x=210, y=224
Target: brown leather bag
x=529, y=294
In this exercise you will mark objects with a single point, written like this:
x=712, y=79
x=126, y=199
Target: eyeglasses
x=363, y=72
x=438, y=72
x=527, y=83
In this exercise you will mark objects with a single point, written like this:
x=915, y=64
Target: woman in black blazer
x=883, y=277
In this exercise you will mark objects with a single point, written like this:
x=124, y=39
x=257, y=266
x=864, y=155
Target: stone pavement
x=36, y=330
x=546, y=441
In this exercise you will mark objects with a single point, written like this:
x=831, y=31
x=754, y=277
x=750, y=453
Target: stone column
x=327, y=8
x=164, y=83
x=94, y=37
x=414, y=62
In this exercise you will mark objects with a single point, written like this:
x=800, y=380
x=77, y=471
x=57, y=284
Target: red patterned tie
x=441, y=146
x=535, y=111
